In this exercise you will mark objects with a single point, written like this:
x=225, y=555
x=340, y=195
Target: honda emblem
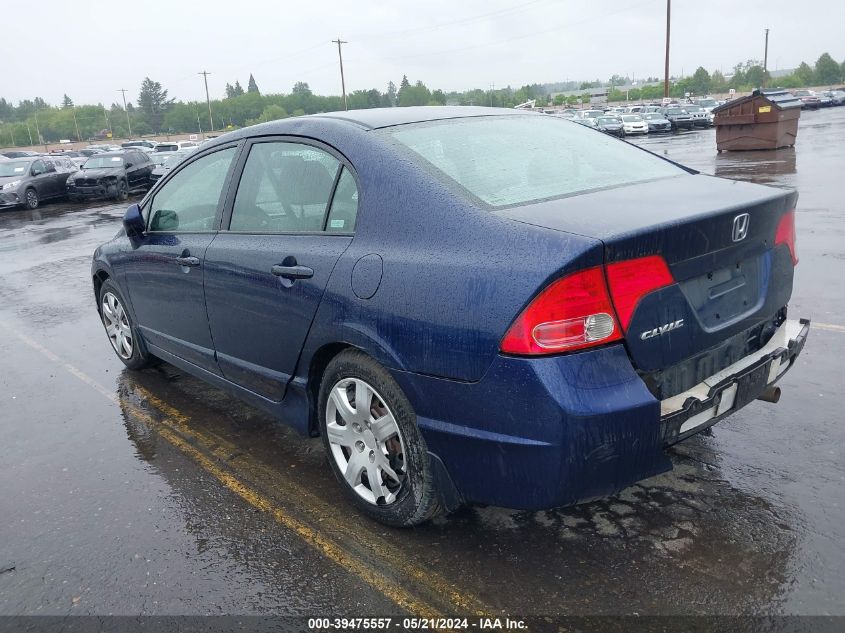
x=740, y=229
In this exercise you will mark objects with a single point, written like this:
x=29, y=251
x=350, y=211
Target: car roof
x=375, y=118
x=107, y=154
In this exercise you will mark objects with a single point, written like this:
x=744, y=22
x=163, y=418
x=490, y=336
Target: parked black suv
x=111, y=175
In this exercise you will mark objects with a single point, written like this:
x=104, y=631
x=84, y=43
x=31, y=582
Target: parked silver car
x=28, y=181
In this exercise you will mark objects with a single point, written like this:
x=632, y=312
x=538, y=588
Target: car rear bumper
x=735, y=386
x=537, y=433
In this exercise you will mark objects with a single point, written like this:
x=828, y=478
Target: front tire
x=122, y=191
x=374, y=446
x=31, y=199
x=122, y=333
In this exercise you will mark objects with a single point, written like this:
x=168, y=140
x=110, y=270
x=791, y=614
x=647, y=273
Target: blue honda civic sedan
x=466, y=304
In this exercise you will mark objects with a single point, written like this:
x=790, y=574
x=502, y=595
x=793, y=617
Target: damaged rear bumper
x=734, y=387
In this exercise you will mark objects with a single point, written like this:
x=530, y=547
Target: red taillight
x=785, y=234
x=631, y=280
x=572, y=313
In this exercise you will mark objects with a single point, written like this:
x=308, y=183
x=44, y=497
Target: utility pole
x=29, y=131
x=128, y=122
x=666, y=68
x=38, y=130
x=765, y=58
x=207, y=98
x=78, y=136
x=339, y=41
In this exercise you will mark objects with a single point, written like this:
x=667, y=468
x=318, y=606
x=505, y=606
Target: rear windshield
x=506, y=160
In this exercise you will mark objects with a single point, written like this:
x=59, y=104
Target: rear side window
x=505, y=161
x=344, y=211
x=188, y=201
x=285, y=188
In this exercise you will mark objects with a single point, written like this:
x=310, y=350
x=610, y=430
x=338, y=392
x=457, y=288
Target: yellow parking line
x=175, y=428
x=329, y=516
x=827, y=326
x=315, y=539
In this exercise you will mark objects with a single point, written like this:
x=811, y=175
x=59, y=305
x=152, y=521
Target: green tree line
x=31, y=122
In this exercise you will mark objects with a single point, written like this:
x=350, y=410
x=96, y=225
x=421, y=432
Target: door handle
x=292, y=272
x=188, y=261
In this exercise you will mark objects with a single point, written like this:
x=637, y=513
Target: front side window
x=188, y=201
x=509, y=160
x=285, y=188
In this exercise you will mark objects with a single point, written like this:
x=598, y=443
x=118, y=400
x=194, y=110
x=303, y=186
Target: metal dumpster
x=765, y=119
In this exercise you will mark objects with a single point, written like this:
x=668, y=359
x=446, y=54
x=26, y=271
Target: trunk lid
x=717, y=237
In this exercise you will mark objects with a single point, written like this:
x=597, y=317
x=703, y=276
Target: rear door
x=291, y=218
x=164, y=272
x=43, y=178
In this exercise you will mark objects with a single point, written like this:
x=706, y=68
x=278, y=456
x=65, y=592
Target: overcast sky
x=88, y=49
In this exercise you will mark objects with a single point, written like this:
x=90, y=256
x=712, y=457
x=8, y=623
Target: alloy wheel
x=365, y=441
x=117, y=325
x=31, y=199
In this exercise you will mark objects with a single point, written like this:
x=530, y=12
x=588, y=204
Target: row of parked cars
x=646, y=118
x=98, y=171
x=812, y=100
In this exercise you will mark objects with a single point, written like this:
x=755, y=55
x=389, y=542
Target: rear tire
x=121, y=331
x=404, y=492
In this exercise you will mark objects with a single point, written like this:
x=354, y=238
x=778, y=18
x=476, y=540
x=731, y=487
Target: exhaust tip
x=770, y=394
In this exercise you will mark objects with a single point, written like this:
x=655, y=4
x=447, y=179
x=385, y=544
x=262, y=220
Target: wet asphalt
x=151, y=493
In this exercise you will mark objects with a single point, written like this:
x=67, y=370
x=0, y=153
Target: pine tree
x=252, y=86
x=230, y=91
x=153, y=101
x=67, y=102
x=238, y=91
x=389, y=97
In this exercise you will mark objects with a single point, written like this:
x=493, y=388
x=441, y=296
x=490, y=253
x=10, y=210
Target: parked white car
x=634, y=124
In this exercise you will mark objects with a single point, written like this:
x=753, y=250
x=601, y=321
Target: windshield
x=631, y=118
x=707, y=102
x=675, y=111
x=103, y=162
x=652, y=116
x=14, y=168
x=509, y=160
x=159, y=158
x=606, y=120
x=175, y=159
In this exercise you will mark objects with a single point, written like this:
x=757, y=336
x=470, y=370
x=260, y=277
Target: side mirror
x=36, y=172
x=127, y=165
x=133, y=222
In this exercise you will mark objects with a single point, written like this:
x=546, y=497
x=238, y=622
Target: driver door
x=165, y=270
